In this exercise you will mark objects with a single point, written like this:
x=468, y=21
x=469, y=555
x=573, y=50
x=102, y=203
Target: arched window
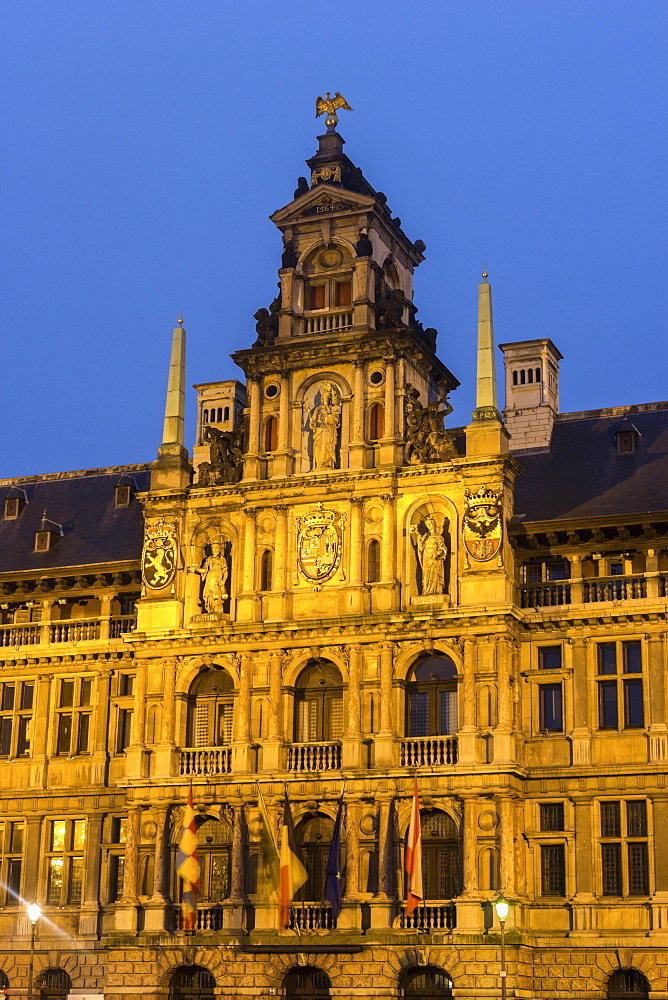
x=192, y=982
x=489, y=868
x=205, y=417
x=376, y=421
x=226, y=415
x=523, y=376
x=271, y=434
x=154, y=724
x=314, y=839
x=306, y=983
x=373, y=561
x=537, y=374
x=428, y=983
x=530, y=374
x=266, y=569
x=432, y=697
x=220, y=415
x=54, y=984
x=514, y=378
x=440, y=855
x=318, y=703
x=628, y=984
x=210, y=709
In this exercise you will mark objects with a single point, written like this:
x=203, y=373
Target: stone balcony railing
x=314, y=757
x=431, y=751
x=594, y=590
x=77, y=630
x=430, y=917
x=208, y=918
x=308, y=917
x=327, y=322
x=205, y=760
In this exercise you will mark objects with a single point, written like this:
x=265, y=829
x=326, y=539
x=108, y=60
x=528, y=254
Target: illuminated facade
x=333, y=587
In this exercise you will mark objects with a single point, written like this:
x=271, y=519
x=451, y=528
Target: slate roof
x=582, y=475
x=94, y=530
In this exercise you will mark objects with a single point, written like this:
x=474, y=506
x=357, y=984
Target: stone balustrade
x=430, y=917
x=431, y=751
x=208, y=918
x=206, y=760
x=76, y=630
x=615, y=588
x=326, y=322
x=308, y=917
x=314, y=757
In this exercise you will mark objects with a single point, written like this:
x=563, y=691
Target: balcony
x=431, y=751
x=545, y=595
x=208, y=918
x=206, y=760
x=614, y=588
x=77, y=630
x=594, y=590
x=328, y=322
x=304, y=757
x=307, y=918
x=430, y=917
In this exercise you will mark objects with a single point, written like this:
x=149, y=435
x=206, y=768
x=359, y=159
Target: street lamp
x=34, y=913
x=501, y=907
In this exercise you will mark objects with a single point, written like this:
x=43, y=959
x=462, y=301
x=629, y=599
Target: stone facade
x=342, y=590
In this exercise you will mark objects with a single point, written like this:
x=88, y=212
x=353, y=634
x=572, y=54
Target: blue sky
x=147, y=141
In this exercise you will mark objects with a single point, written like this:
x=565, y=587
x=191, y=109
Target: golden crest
x=158, y=564
x=319, y=544
x=482, y=523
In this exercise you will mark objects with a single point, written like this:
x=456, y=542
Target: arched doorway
x=54, y=984
x=307, y=983
x=432, y=698
x=318, y=703
x=210, y=709
x=628, y=984
x=192, y=982
x=428, y=983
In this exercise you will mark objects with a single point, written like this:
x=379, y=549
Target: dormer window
x=44, y=540
x=626, y=442
x=12, y=508
x=122, y=496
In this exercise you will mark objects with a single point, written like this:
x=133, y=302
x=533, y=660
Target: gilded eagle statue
x=330, y=105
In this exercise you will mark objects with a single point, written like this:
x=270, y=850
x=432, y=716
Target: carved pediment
x=323, y=199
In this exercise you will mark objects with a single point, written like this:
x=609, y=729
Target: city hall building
x=332, y=590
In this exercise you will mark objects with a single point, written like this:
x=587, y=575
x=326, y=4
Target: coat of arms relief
x=482, y=523
x=319, y=544
x=159, y=557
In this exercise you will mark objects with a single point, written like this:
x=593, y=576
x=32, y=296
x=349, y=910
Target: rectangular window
x=612, y=869
x=344, y=293
x=123, y=733
x=549, y=657
x=8, y=691
x=611, y=825
x=624, y=859
x=14, y=881
x=620, y=700
x=632, y=657
x=64, y=734
x=636, y=818
x=638, y=869
x=551, y=816
x=65, y=861
x=607, y=658
x=317, y=297
x=11, y=862
x=6, y=735
x=116, y=867
x=633, y=706
x=66, y=694
x=553, y=870
x=73, y=732
x=607, y=702
x=126, y=684
x=550, y=703
x=419, y=713
x=83, y=734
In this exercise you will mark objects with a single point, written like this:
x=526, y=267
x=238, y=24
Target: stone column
x=280, y=547
x=658, y=731
x=384, y=739
x=352, y=741
x=507, y=860
x=136, y=763
x=105, y=615
x=251, y=460
x=126, y=912
x=248, y=603
x=357, y=447
x=387, y=568
x=584, y=899
x=356, y=544
x=241, y=750
x=45, y=625
x=503, y=745
x=155, y=910
x=581, y=735
x=40, y=731
x=234, y=906
x=166, y=755
x=32, y=853
x=90, y=908
x=283, y=414
x=468, y=731
x=272, y=751
x=660, y=897
x=387, y=445
x=469, y=911
x=350, y=918
x=382, y=903
x=401, y=398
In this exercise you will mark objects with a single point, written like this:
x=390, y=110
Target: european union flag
x=333, y=882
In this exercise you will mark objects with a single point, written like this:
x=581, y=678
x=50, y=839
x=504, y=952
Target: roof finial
x=484, y=271
x=330, y=105
x=180, y=319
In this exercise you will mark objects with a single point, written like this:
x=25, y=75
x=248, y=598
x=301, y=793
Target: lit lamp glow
x=34, y=913
x=501, y=907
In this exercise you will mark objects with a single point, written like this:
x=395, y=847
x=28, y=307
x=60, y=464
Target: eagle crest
x=330, y=105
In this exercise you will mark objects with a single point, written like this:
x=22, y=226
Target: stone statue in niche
x=432, y=553
x=324, y=423
x=426, y=438
x=225, y=455
x=214, y=573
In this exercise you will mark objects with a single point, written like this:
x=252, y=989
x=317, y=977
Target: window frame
x=16, y=719
x=618, y=708
x=618, y=842
x=70, y=853
x=79, y=713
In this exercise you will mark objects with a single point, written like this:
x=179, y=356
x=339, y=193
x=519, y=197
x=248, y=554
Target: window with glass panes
x=620, y=685
x=65, y=861
x=624, y=847
x=211, y=709
x=16, y=708
x=116, y=857
x=11, y=861
x=551, y=816
x=73, y=715
x=432, y=698
x=124, y=705
x=549, y=657
x=319, y=703
x=214, y=846
x=550, y=708
x=440, y=855
x=553, y=869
